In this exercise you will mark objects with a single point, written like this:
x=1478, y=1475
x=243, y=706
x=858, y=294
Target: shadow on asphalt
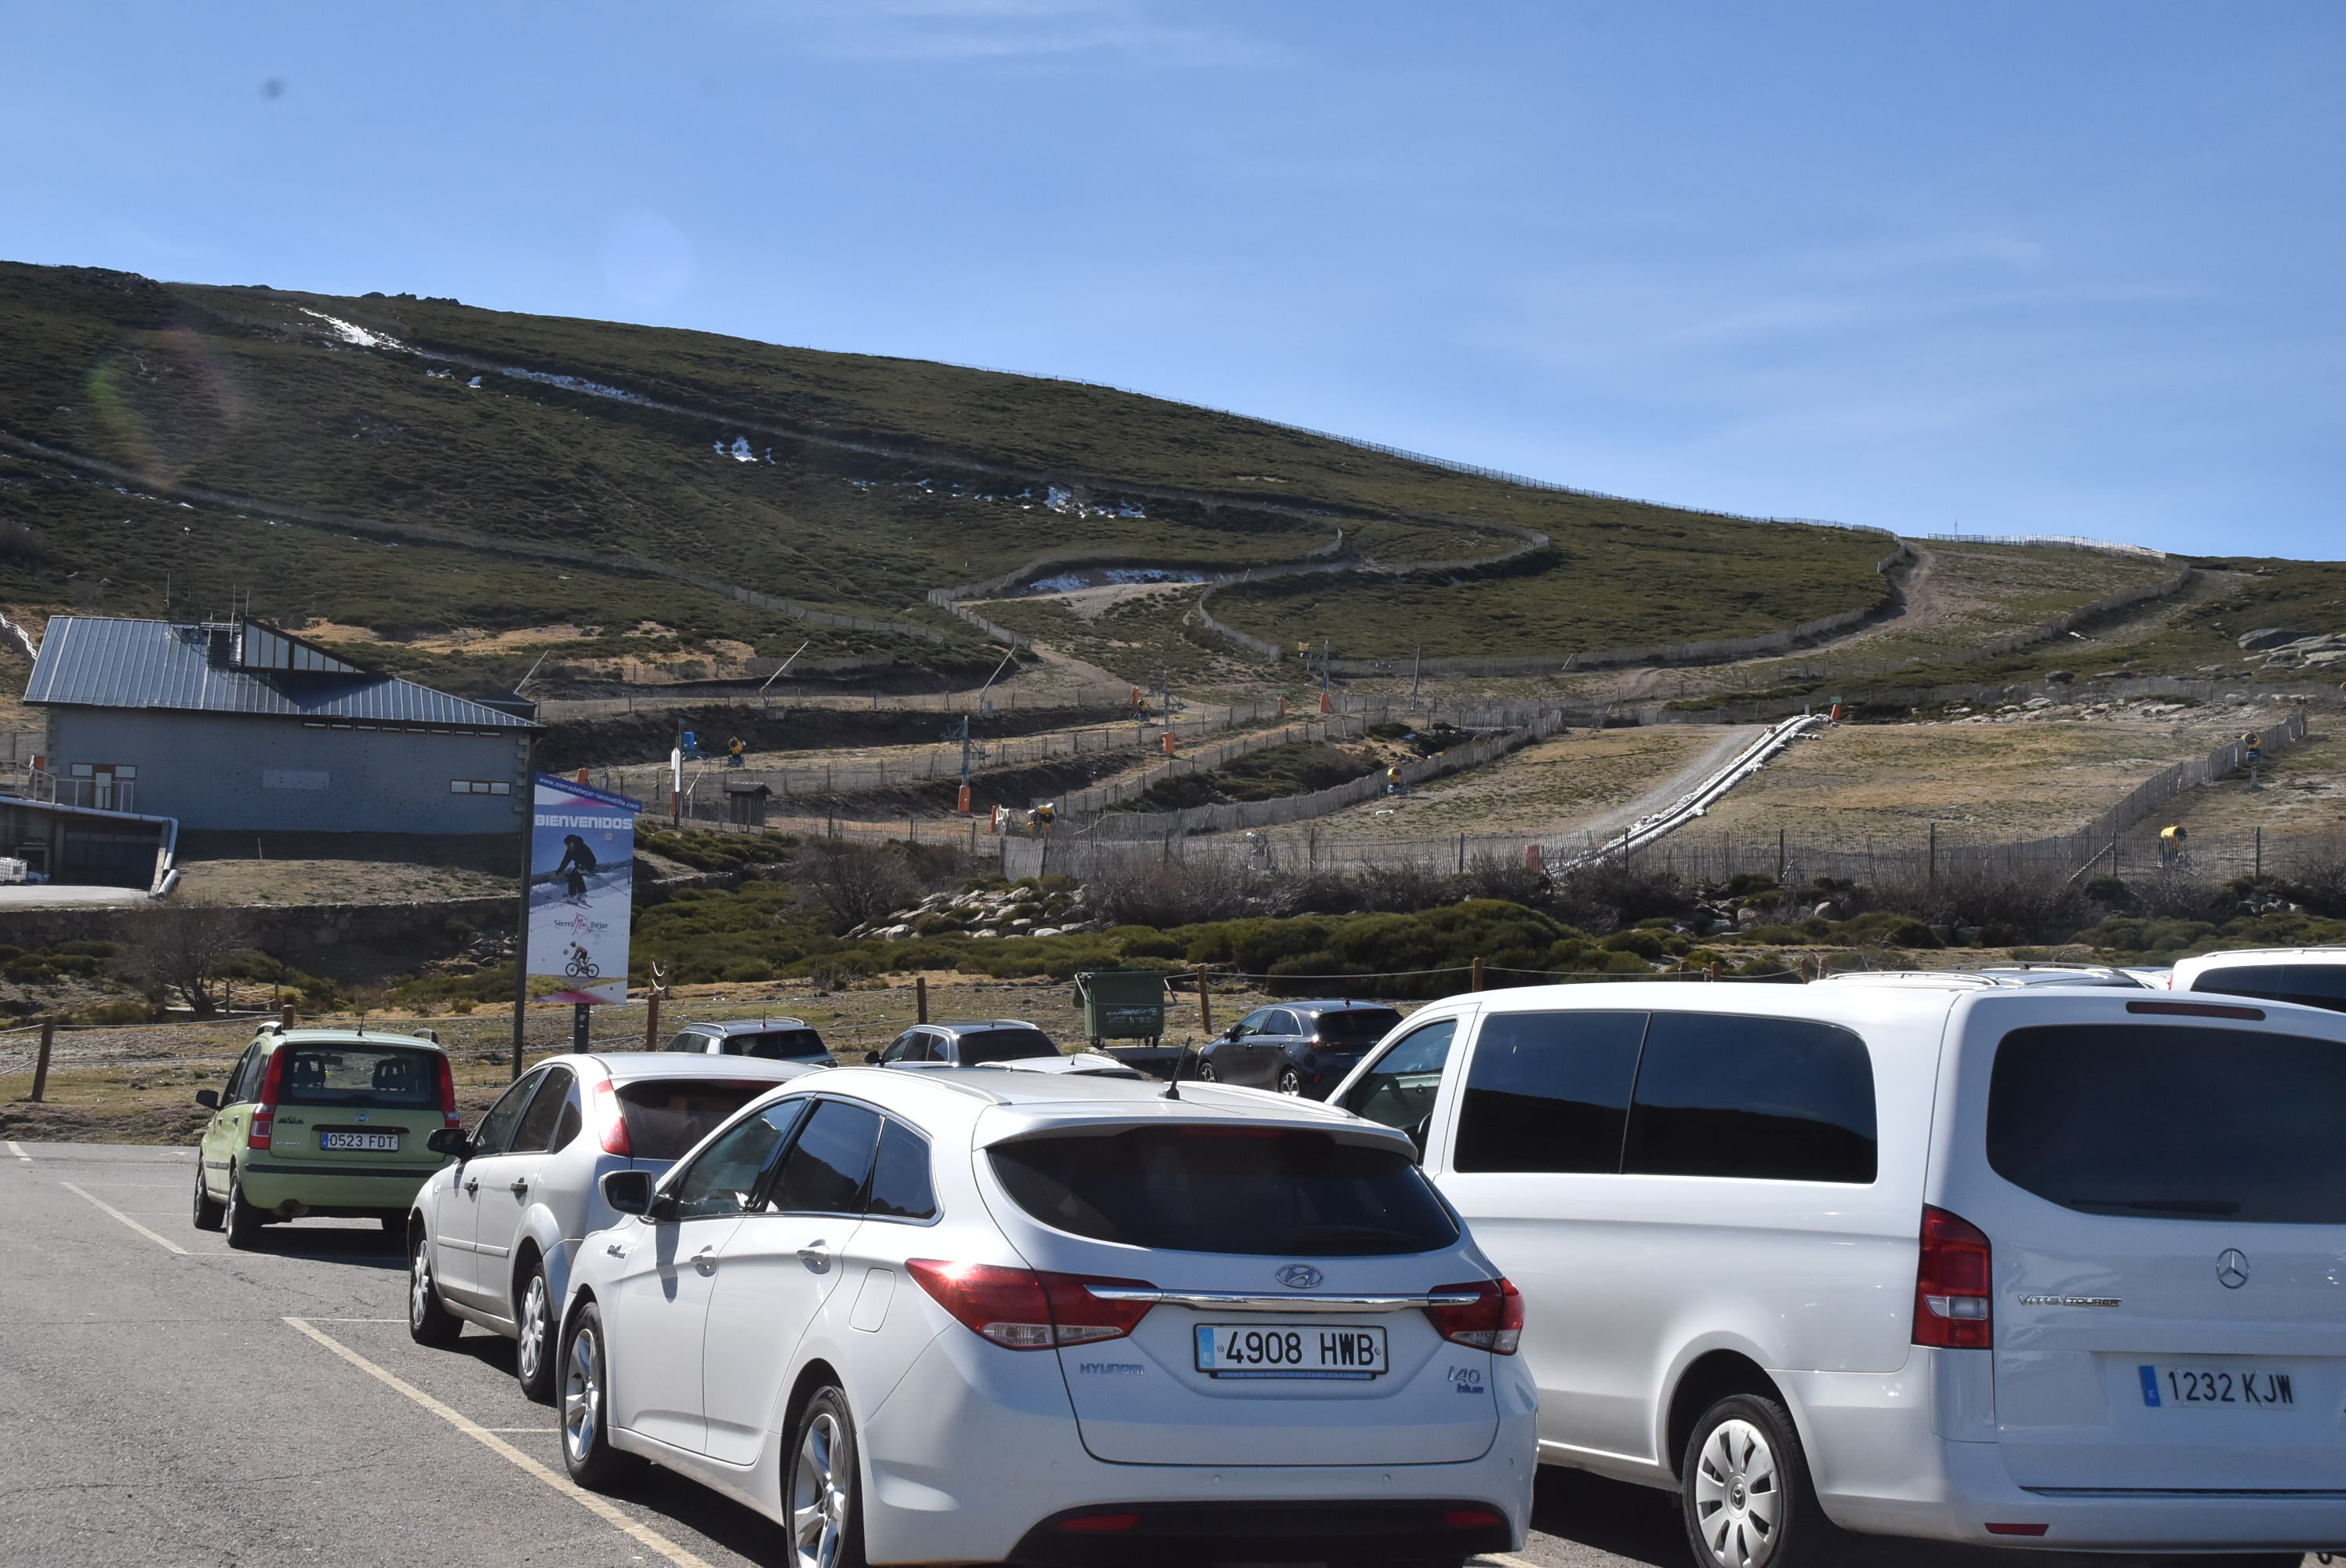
x=367, y=1246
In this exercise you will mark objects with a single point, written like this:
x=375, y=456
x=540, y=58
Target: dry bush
x=1147, y=887
x=187, y=949
x=2316, y=878
x=1612, y=893
x=2007, y=906
x=858, y=883
x=1490, y=876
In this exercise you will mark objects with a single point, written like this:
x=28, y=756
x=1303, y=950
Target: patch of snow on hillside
x=353, y=334
x=740, y=452
x=579, y=384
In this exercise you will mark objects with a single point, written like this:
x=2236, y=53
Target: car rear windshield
x=386, y=1075
x=665, y=1118
x=2312, y=984
x=1005, y=1045
x=1356, y=1026
x=1260, y=1191
x=776, y=1044
x=2172, y=1122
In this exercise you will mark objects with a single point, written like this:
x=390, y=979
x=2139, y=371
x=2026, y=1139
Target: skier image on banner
x=576, y=864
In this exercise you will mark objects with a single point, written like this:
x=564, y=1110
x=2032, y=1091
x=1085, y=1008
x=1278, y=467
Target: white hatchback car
x=1914, y=1255
x=981, y=1315
x=491, y=1238
x=2312, y=976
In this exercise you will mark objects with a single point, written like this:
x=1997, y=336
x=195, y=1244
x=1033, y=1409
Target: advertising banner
x=582, y=878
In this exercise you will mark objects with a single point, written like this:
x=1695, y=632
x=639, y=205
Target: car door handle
x=521, y=1188
x=473, y=1188
x=705, y=1260
x=816, y=1255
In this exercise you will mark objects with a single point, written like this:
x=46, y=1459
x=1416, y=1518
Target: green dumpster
x=1122, y=1003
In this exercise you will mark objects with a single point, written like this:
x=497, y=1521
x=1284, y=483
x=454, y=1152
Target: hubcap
x=818, y=1496
x=1738, y=1504
x=531, y=1352
x=1288, y=1084
x=419, y=1288
x=582, y=1398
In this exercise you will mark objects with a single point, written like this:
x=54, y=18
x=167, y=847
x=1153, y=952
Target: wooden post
x=1931, y=872
x=41, y=1064
x=2260, y=855
x=1717, y=969
x=921, y=997
x=285, y=1016
x=651, y=1018
x=1478, y=974
x=1205, y=1003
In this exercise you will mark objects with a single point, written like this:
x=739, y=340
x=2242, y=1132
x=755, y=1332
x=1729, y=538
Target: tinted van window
x=2181, y=1122
x=2312, y=984
x=1356, y=1025
x=1549, y=1092
x=1774, y=1099
x=776, y=1044
x=1260, y=1191
x=1005, y=1045
x=360, y=1075
x=1399, y=1089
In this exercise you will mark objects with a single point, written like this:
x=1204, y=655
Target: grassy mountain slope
x=870, y=480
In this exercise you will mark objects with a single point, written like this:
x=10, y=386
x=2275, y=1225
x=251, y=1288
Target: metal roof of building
x=92, y=662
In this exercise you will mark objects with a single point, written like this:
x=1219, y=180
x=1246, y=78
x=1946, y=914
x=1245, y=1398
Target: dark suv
x=1296, y=1047
x=774, y=1039
x=969, y=1045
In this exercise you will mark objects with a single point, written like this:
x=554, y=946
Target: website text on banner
x=582, y=874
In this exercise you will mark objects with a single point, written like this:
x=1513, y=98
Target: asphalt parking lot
x=166, y=1400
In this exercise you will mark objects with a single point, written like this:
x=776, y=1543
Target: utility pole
x=527, y=802
x=1416, y=664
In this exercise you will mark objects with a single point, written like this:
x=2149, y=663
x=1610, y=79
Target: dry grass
x=1553, y=786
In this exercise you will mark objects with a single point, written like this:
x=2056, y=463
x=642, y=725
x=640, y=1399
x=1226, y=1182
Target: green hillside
x=236, y=440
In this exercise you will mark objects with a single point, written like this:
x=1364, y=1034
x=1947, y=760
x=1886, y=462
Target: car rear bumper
x=272, y=1183
x=1214, y=1530
x=975, y=1456
x=1914, y=1454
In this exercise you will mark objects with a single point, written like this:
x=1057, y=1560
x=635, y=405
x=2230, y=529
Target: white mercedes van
x=1917, y=1256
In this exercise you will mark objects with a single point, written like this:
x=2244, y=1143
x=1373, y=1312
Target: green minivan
x=337, y=1123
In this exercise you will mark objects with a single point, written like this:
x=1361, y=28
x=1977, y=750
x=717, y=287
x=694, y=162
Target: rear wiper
x=2218, y=1206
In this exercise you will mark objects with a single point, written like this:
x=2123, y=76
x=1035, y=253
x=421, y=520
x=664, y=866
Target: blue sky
x=2068, y=268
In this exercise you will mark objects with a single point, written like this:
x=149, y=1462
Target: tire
x=1291, y=1081
x=587, y=1450
x=393, y=1223
x=244, y=1221
x=1206, y=1073
x=211, y=1212
x=1744, y=1493
x=429, y=1321
x=823, y=1491
x=533, y=1358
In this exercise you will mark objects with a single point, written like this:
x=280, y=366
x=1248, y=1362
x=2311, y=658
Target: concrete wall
x=227, y=771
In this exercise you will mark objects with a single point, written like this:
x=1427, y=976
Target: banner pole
x=521, y=917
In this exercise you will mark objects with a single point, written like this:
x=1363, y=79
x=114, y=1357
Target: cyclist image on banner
x=581, y=888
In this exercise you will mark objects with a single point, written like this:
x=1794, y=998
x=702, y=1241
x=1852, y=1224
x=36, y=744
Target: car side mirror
x=450, y=1141
x=872, y=1058
x=628, y=1192
x=208, y=1098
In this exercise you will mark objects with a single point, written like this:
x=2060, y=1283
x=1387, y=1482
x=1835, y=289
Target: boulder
x=2268, y=638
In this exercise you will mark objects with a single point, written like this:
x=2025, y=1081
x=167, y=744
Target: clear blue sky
x=2069, y=267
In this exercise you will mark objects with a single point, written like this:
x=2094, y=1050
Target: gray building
x=240, y=727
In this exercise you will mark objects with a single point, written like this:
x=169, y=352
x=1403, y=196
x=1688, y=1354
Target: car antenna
x=1173, y=1090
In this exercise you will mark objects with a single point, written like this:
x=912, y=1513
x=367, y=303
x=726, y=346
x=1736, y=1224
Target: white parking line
x=166, y=1245
x=19, y=1150
x=1508, y=1558
x=487, y=1436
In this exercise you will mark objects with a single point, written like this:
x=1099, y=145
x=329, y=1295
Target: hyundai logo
x=1299, y=1276
x=2231, y=1269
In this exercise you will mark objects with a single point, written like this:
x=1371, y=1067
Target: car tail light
x=264, y=1114
x=1492, y=1321
x=1099, y=1523
x=1472, y=1518
x=610, y=1120
x=448, y=1094
x=1024, y=1309
x=1952, y=1285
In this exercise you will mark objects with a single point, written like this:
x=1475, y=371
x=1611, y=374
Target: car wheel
x=210, y=1213
x=429, y=1321
x=826, y=1503
x=1206, y=1073
x=244, y=1221
x=533, y=1349
x=587, y=1450
x=1291, y=1081
x=1744, y=1490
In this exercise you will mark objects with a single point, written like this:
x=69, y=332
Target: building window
x=479, y=787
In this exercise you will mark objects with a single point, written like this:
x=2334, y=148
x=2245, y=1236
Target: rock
x=2268, y=638
x=1046, y=930
x=2038, y=702
x=2059, y=676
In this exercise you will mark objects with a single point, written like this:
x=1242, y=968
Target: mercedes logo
x=2232, y=1269
x=1304, y=1277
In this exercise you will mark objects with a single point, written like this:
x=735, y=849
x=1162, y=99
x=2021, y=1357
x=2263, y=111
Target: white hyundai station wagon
x=1919, y=1255
x=972, y=1314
